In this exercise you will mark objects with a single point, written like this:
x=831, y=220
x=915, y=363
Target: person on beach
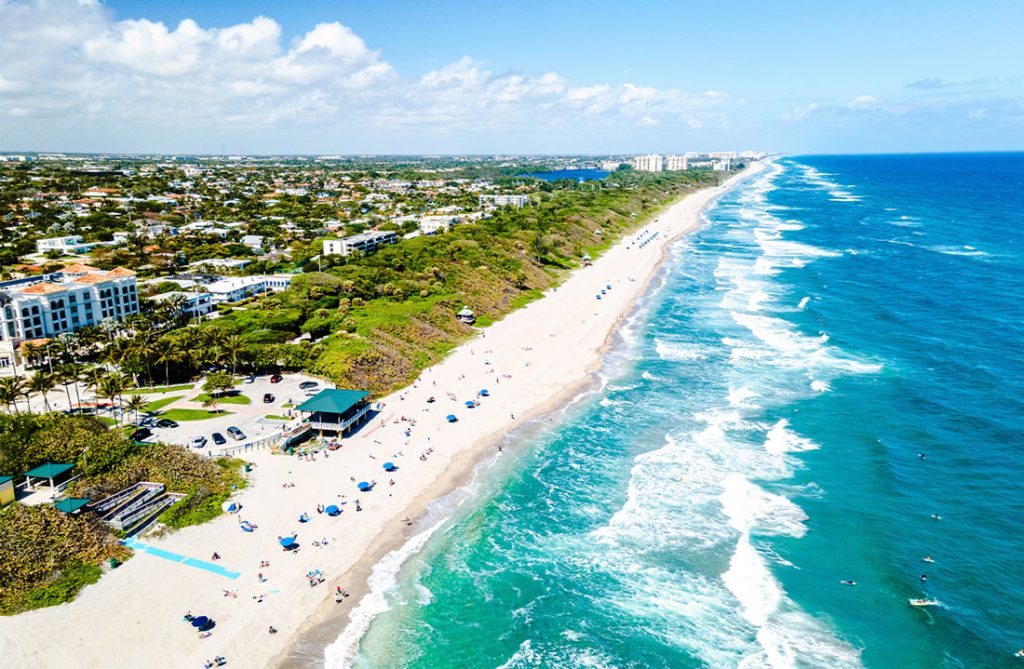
x=272, y=630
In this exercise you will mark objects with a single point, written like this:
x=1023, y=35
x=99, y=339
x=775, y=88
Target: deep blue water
x=758, y=439
x=575, y=175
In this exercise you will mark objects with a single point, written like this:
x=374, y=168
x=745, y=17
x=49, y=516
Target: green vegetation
x=205, y=398
x=192, y=414
x=273, y=416
x=156, y=405
x=203, y=503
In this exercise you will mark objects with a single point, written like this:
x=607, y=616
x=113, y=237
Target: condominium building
x=235, y=288
x=505, y=200
x=365, y=242
x=69, y=245
x=677, y=163
x=42, y=307
x=192, y=304
x=649, y=163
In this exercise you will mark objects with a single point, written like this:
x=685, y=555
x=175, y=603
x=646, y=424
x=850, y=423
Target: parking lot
x=249, y=418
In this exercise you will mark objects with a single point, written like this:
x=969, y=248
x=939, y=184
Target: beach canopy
x=363, y=485
x=389, y=467
x=50, y=470
x=484, y=392
x=451, y=418
x=71, y=504
x=287, y=541
x=331, y=400
x=231, y=507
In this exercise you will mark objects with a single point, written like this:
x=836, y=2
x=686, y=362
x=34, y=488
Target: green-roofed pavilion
x=70, y=505
x=50, y=470
x=337, y=411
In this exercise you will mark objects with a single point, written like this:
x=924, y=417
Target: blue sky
x=544, y=77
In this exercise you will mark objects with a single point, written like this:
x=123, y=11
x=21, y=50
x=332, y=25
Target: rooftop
x=333, y=401
x=50, y=470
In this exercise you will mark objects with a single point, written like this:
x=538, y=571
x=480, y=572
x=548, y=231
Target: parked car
x=306, y=385
x=166, y=422
x=219, y=439
x=310, y=392
x=198, y=442
x=268, y=398
x=276, y=378
x=141, y=434
x=235, y=433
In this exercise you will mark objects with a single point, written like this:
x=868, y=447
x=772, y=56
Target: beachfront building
x=235, y=288
x=42, y=307
x=337, y=411
x=610, y=165
x=69, y=245
x=676, y=163
x=365, y=243
x=504, y=200
x=648, y=163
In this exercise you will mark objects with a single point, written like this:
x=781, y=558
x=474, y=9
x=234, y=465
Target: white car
x=198, y=442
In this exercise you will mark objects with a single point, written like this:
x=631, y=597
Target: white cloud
x=68, y=65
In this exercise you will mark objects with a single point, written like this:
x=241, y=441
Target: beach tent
x=363, y=486
x=451, y=418
x=231, y=507
x=332, y=510
x=389, y=467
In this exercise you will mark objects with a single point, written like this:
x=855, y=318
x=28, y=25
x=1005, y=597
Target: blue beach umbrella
x=332, y=510
x=484, y=393
x=470, y=404
x=363, y=486
x=287, y=542
x=451, y=418
x=200, y=621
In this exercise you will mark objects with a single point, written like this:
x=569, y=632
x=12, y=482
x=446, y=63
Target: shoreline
x=140, y=605
x=324, y=627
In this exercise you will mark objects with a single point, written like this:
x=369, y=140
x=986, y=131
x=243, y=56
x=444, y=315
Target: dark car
x=166, y=422
x=306, y=385
x=219, y=439
x=276, y=378
x=268, y=398
x=141, y=434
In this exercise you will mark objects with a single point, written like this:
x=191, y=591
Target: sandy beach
x=530, y=362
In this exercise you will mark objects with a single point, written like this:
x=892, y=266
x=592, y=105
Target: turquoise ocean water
x=756, y=440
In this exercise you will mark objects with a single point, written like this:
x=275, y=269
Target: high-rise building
x=677, y=163
x=649, y=163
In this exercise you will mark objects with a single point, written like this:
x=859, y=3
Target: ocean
x=824, y=384
x=575, y=175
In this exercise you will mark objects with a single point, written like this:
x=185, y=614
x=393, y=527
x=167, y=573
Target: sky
x=552, y=77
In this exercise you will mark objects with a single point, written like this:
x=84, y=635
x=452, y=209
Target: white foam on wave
x=650, y=377
x=803, y=303
x=740, y=397
x=819, y=386
x=679, y=351
x=781, y=440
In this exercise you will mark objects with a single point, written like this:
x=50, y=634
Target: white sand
x=133, y=616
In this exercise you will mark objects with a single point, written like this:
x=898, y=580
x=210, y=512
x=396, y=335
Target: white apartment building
x=504, y=200
x=365, y=242
x=648, y=163
x=610, y=165
x=70, y=244
x=254, y=242
x=235, y=288
x=677, y=163
x=193, y=304
x=42, y=307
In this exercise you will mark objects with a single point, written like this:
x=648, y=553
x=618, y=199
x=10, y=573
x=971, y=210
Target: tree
x=136, y=403
x=11, y=390
x=218, y=383
x=539, y=247
x=42, y=382
x=230, y=346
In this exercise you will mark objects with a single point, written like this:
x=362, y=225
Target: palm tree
x=30, y=353
x=136, y=403
x=65, y=374
x=11, y=390
x=112, y=386
x=231, y=346
x=42, y=382
x=169, y=351
x=93, y=377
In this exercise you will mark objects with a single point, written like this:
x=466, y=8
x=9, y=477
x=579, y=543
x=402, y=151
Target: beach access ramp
x=135, y=508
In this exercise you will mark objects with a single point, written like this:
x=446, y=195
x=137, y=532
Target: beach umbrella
x=332, y=510
x=484, y=393
x=246, y=526
x=363, y=486
x=231, y=507
x=451, y=418
x=470, y=404
x=287, y=541
x=389, y=467
x=200, y=621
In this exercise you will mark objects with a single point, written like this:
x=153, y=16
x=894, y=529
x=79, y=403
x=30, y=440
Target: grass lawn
x=192, y=414
x=156, y=405
x=109, y=422
x=226, y=399
x=272, y=416
x=160, y=389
